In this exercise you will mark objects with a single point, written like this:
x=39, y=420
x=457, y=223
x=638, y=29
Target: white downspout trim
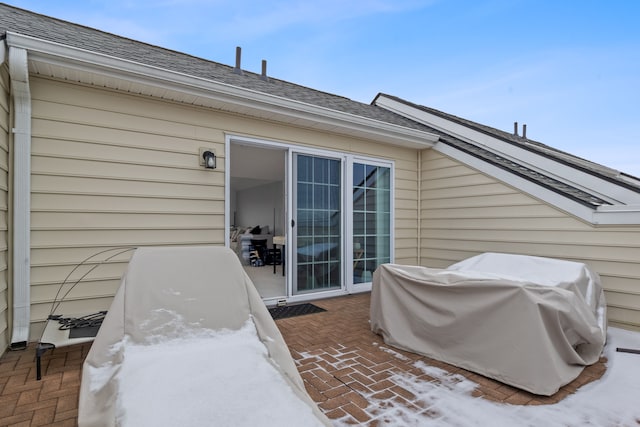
x=19, y=74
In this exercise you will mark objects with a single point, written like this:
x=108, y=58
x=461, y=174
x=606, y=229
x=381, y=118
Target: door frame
x=347, y=159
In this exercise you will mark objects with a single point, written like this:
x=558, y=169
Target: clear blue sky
x=568, y=69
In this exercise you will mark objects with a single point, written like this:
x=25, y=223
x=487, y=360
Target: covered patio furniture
x=530, y=322
x=169, y=292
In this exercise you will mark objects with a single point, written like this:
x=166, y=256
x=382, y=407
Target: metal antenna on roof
x=264, y=71
x=237, y=69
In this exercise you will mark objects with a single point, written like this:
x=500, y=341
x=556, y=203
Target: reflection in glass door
x=317, y=234
x=371, y=219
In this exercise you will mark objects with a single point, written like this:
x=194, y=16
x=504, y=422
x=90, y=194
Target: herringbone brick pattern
x=347, y=370
x=53, y=401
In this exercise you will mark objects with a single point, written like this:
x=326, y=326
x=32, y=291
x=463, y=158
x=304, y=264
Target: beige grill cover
x=507, y=326
x=206, y=285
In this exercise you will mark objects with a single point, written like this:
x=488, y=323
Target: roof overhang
x=56, y=60
x=625, y=203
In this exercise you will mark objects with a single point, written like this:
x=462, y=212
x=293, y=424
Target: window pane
x=358, y=223
x=334, y=173
x=384, y=176
x=384, y=224
x=304, y=169
x=305, y=194
x=320, y=171
x=334, y=197
x=320, y=223
x=305, y=226
x=358, y=199
x=384, y=200
x=358, y=175
x=370, y=226
x=370, y=200
x=334, y=224
x=320, y=197
x=371, y=175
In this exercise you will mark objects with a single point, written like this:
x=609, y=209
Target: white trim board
x=625, y=208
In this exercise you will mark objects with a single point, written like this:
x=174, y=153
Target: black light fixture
x=209, y=158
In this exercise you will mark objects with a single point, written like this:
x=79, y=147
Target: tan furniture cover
x=530, y=322
x=206, y=286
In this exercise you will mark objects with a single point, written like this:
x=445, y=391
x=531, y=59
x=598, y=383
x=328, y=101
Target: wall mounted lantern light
x=207, y=159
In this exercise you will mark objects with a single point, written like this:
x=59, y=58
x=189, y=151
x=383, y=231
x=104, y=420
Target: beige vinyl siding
x=4, y=209
x=465, y=212
x=112, y=169
x=406, y=209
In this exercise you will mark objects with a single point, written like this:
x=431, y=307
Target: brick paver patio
x=347, y=370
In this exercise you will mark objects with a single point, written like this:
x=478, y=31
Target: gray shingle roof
x=51, y=29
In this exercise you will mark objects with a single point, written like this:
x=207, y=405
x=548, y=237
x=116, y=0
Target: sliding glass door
x=317, y=224
x=341, y=222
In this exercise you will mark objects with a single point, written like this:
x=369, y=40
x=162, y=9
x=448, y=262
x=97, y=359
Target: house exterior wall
x=464, y=213
x=111, y=169
x=4, y=204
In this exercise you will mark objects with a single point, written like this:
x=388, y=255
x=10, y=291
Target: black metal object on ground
x=294, y=310
x=80, y=327
x=628, y=350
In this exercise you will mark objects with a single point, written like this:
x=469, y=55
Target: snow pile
x=204, y=378
x=612, y=400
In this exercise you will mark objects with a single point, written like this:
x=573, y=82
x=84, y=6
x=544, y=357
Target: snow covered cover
x=610, y=401
x=182, y=347
x=206, y=377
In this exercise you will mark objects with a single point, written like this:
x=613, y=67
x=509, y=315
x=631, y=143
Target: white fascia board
x=617, y=214
x=3, y=52
x=603, y=215
x=604, y=189
x=84, y=60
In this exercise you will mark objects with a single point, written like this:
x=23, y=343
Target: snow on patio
x=448, y=401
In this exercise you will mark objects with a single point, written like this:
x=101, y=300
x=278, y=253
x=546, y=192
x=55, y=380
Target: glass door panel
x=371, y=219
x=317, y=230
